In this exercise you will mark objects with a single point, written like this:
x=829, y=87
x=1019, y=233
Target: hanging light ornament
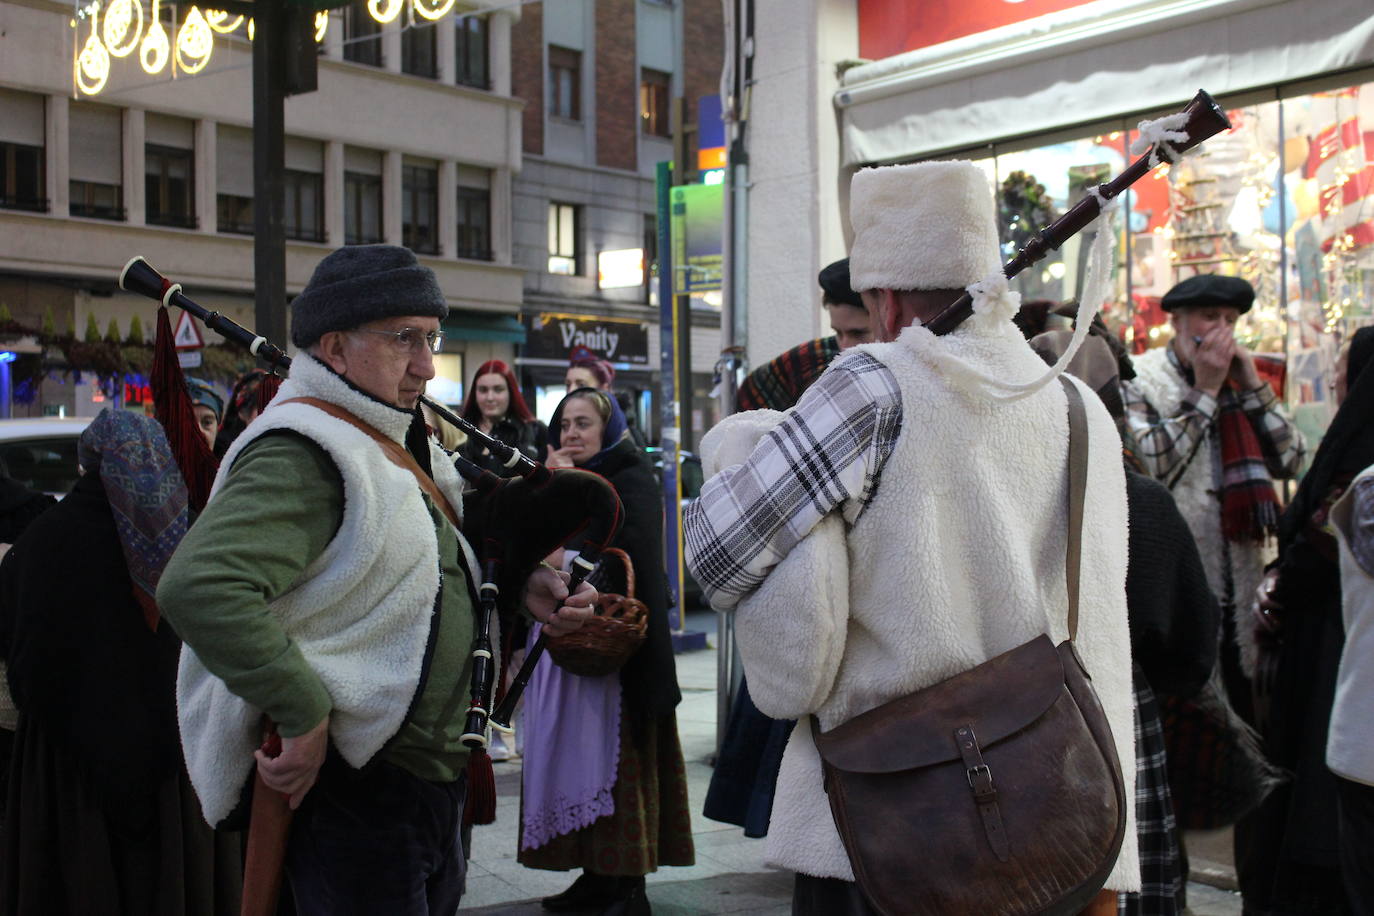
x=93, y=63
x=155, y=48
x=219, y=21
x=252, y=30
x=385, y=11
x=321, y=25
x=195, y=42
x=122, y=27
x=431, y=9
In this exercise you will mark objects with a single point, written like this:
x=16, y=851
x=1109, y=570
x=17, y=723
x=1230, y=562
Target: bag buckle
x=980, y=781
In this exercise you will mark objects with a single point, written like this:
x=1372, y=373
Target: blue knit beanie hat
x=361, y=283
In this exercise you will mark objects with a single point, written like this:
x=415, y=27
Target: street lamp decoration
x=122, y=26
x=92, y=63
x=118, y=27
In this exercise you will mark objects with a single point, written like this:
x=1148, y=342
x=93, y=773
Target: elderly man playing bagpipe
x=327, y=587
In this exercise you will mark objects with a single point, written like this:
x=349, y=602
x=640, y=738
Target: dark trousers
x=813, y=896
x=1355, y=820
x=381, y=842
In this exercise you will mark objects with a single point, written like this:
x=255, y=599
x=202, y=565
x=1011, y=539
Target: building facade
x=413, y=138
x=598, y=78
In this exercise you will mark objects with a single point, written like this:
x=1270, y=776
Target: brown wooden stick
x=269, y=826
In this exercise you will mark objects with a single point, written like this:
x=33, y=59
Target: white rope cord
x=1160, y=135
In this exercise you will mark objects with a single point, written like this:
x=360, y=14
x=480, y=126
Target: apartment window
x=653, y=102
x=420, y=208
x=170, y=190
x=304, y=205
x=470, y=52
x=21, y=185
x=565, y=83
x=362, y=209
x=233, y=179
x=565, y=253
x=362, y=35
x=362, y=196
x=474, y=214
x=96, y=163
x=22, y=173
x=234, y=214
x=419, y=50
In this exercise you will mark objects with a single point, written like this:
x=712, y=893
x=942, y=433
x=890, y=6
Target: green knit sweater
x=279, y=507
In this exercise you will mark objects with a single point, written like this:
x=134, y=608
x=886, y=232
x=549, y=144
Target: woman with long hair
x=495, y=405
x=604, y=788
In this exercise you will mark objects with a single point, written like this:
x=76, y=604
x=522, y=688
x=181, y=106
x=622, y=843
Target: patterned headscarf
x=145, y=490
x=615, y=429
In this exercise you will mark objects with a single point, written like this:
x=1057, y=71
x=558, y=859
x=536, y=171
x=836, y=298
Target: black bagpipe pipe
x=1204, y=119
x=519, y=520
x=138, y=276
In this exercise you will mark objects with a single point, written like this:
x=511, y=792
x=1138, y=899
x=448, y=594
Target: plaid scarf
x=1249, y=507
x=779, y=384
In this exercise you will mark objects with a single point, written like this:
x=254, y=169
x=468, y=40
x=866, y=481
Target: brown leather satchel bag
x=997, y=791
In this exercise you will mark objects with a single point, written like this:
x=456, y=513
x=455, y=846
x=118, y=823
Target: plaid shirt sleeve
x=826, y=455
x=1164, y=443
x=1284, y=447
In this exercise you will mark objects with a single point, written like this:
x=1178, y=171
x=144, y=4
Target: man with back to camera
x=778, y=383
x=952, y=487
x=324, y=588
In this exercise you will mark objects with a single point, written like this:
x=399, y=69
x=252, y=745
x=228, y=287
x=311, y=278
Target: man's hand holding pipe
x=546, y=596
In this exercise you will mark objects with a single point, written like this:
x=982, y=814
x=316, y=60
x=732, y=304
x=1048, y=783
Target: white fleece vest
x=957, y=558
x=360, y=613
x=1350, y=739
x=1197, y=496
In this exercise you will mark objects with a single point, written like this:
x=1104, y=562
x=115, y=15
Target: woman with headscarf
x=1174, y=622
x=495, y=405
x=1286, y=850
x=604, y=787
x=101, y=815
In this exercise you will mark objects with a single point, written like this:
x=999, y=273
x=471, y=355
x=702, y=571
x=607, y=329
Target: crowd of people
x=886, y=512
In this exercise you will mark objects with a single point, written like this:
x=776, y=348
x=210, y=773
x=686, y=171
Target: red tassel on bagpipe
x=480, y=807
x=267, y=390
x=172, y=407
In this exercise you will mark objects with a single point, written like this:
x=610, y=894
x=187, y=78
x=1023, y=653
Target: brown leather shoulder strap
x=1078, y=486
x=393, y=449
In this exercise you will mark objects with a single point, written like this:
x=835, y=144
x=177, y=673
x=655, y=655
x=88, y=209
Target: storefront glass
x=1284, y=199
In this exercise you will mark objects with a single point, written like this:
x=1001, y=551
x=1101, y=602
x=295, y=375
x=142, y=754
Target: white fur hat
x=925, y=226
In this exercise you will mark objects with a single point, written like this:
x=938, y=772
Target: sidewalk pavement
x=729, y=876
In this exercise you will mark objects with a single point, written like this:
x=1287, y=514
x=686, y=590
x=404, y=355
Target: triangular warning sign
x=188, y=336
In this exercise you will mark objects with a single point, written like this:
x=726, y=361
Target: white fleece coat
x=1164, y=387
x=360, y=613
x=957, y=558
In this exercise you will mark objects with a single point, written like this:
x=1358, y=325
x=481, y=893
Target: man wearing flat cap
x=325, y=588
x=778, y=384
x=1208, y=427
x=869, y=538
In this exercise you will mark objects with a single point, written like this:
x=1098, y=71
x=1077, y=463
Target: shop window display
x=1285, y=199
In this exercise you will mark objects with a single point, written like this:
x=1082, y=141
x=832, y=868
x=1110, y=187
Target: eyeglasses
x=411, y=340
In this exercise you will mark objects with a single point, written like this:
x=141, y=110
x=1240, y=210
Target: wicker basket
x=610, y=636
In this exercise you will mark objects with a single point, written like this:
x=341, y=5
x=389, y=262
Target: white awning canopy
x=1098, y=61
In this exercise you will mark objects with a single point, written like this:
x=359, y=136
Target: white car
x=40, y=453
